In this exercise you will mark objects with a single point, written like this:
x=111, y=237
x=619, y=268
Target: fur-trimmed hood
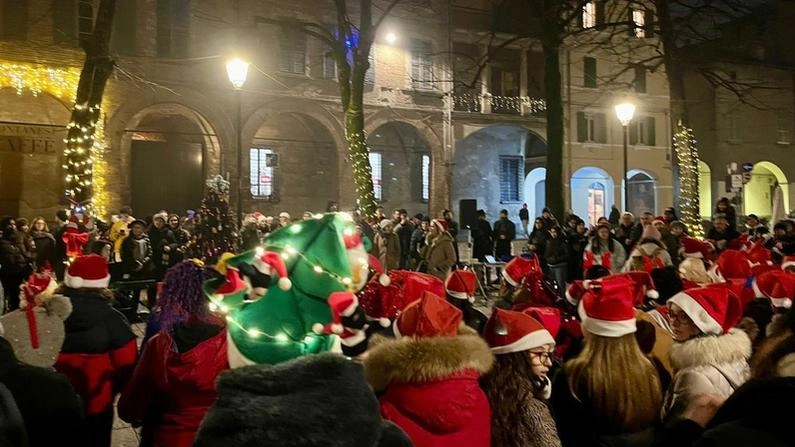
x=711, y=350
x=309, y=401
x=422, y=360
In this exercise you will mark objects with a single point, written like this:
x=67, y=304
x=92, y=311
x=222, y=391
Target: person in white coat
x=709, y=355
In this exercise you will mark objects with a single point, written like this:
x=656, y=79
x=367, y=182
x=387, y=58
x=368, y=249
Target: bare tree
x=349, y=44
x=82, y=126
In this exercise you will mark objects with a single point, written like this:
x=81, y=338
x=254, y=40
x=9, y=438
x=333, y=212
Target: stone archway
x=641, y=192
x=759, y=191
x=592, y=193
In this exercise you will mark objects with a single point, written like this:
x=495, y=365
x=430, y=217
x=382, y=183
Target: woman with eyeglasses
x=709, y=355
x=517, y=387
x=611, y=392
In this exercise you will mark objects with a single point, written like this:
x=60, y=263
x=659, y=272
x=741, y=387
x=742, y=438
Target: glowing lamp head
x=237, y=71
x=390, y=37
x=624, y=112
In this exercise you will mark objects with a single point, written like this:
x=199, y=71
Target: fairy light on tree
x=686, y=153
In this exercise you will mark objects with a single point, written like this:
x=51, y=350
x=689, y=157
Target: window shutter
x=633, y=133
x=600, y=13
x=582, y=127
x=589, y=72
x=600, y=125
x=163, y=36
x=640, y=79
x=123, y=37
x=631, y=22
x=64, y=22
x=285, y=51
x=648, y=24
x=580, y=22
x=650, y=123
x=329, y=66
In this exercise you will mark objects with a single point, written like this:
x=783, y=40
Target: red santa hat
x=660, y=219
x=430, y=316
x=342, y=304
x=758, y=254
x=517, y=268
x=574, y=292
x=606, y=308
x=695, y=248
x=788, y=262
x=549, y=317
x=404, y=288
x=777, y=285
x=732, y=264
x=90, y=271
x=272, y=264
x=460, y=284
x=233, y=284
x=378, y=268
x=714, y=309
x=508, y=331
x=643, y=286
x=441, y=224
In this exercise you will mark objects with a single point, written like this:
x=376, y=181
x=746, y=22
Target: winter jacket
x=99, y=350
x=388, y=249
x=662, y=337
x=429, y=388
x=45, y=248
x=600, y=255
x=47, y=402
x=173, y=385
x=482, y=240
x=646, y=256
x=13, y=257
x=707, y=365
x=131, y=261
x=440, y=255
x=306, y=402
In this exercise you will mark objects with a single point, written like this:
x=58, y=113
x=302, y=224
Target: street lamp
x=390, y=37
x=237, y=71
x=624, y=113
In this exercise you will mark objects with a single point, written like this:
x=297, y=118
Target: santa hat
x=342, y=304
x=378, y=268
x=660, y=219
x=695, y=248
x=460, y=284
x=441, y=224
x=788, y=262
x=430, y=316
x=758, y=254
x=90, y=271
x=606, y=308
x=651, y=232
x=271, y=263
x=777, y=285
x=549, y=317
x=714, y=310
x=233, y=284
x=643, y=286
x=517, y=268
x=758, y=269
x=731, y=264
x=508, y=331
x=693, y=270
x=404, y=288
x=575, y=291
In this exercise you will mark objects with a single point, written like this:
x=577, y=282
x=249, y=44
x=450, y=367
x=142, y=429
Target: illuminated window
x=426, y=177
x=596, y=202
x=375, y=166
x=262, y=163
x=639, y=19
x=589, y=15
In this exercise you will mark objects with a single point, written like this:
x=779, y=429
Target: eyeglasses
x=544, y=356
x=679, y=317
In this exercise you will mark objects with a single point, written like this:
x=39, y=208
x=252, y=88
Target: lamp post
x=237, y=71
x=624, y=113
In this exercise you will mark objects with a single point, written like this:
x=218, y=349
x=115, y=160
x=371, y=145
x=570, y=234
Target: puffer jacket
x=440, y=255
x=707, y=365
x=429, y=388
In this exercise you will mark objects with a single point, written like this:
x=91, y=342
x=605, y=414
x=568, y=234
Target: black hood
x=320, y=400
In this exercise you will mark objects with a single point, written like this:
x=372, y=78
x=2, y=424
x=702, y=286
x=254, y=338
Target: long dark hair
x=597, y=245
x=182, y=297
x=508, y=387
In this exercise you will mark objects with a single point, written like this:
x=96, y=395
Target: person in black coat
x=482, y=238
x=59, y=261
x=51, y=411
x=44, y=243
x=504, y=233
x=15, y=266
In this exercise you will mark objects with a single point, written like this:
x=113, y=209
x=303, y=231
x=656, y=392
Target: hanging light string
x=686, y=152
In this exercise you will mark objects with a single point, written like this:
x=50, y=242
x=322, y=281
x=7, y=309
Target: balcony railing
x=487, y=103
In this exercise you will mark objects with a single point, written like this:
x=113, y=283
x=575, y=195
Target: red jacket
x=430, y=388
x=98, y=352
x=171, y=391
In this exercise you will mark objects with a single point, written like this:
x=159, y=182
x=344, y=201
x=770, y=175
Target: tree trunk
x=554, y=99
x=87, y=109
x=357, y=139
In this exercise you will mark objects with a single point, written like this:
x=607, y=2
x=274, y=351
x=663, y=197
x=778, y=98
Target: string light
x=85, y=167
x=686, y=153
x=362, y=172
x=469, y=102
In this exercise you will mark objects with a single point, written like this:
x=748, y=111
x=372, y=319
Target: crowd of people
x=627, y=333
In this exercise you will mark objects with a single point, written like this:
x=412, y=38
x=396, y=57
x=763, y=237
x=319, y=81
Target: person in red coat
x=427, y=377
x=99, y=349
x=173, y=385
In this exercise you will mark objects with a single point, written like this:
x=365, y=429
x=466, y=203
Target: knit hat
x=606, y=307
x=161, y=215
x=519, y=267
x=714, y=309
x=549, y=317
x=695, y=248
x=385, y=223
x=460, y=284
x=777, y=285
x=430, y=316
x=651, y=232
x=788, y=262
x=508, y=331
x=89, y=271
x=731, y=264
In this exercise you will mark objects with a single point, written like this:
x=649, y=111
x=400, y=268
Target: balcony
x=504, y=105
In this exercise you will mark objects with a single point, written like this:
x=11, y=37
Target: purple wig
x=182, y=297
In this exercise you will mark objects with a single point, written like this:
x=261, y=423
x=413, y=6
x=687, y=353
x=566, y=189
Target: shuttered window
x=510, y=178
x=292, y=51
x=421, y=64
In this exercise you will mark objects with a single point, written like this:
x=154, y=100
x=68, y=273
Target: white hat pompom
x=285, y=283
x=384, y=279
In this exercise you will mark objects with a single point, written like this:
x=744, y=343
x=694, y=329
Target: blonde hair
x=36, y=219
x=618, y=381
